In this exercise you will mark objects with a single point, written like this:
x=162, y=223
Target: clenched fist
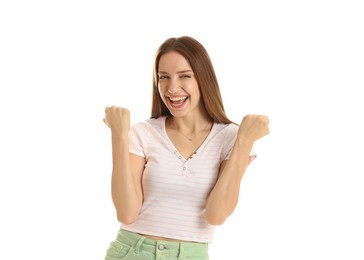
x=253, y=127
x=118, y=119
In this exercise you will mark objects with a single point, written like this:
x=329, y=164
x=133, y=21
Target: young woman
x=176, y=176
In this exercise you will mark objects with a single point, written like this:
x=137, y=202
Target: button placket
x=185, y=169
x=178, y=155
x=184, y=166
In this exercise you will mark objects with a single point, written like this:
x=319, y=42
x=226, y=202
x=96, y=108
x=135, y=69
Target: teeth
x=176, y=98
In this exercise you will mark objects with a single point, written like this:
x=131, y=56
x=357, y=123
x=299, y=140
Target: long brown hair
x=201, y=65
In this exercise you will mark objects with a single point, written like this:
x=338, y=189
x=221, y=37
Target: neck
x=189, y=126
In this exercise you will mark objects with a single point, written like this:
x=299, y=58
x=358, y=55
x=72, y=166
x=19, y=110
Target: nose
x=173, y=91
x=174, y=86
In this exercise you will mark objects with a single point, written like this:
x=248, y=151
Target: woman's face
x=177, y=85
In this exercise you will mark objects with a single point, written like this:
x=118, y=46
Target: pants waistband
x=142, y=243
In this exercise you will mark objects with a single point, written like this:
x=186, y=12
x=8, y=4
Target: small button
x=161, y=247
x=184, y=168
x=180, y=157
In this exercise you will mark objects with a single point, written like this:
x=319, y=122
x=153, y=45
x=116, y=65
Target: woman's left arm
x=223, y=198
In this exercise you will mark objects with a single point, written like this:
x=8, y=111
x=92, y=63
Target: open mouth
x=177, y=102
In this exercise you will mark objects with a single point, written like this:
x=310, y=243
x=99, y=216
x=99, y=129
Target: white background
x=299, y=62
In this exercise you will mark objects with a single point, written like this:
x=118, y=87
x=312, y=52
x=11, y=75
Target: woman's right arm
x=126, y=188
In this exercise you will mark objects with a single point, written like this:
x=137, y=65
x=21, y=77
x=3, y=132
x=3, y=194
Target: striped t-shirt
x=175, y=188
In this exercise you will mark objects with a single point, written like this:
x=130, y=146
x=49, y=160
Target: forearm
x=126, y=200
x=225, y=195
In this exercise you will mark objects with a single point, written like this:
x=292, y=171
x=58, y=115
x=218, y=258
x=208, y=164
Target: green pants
x=132, y=246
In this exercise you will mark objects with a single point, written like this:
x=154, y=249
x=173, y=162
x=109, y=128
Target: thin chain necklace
x=191, y=138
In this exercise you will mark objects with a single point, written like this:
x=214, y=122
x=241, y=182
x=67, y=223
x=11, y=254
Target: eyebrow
x=178, y=72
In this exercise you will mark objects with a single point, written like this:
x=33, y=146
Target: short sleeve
x=137, y=135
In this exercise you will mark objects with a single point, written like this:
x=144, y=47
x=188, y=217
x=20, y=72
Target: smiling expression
x=177, y=84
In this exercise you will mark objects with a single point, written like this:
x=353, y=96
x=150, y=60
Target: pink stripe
x=173, y=202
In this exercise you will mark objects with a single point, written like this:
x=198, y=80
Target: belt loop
x=180, y=253
x=139, y=244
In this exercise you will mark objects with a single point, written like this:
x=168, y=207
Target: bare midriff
x=163, y=238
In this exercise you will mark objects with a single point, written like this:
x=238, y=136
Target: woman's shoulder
x=148, y=124
x=226, y=128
